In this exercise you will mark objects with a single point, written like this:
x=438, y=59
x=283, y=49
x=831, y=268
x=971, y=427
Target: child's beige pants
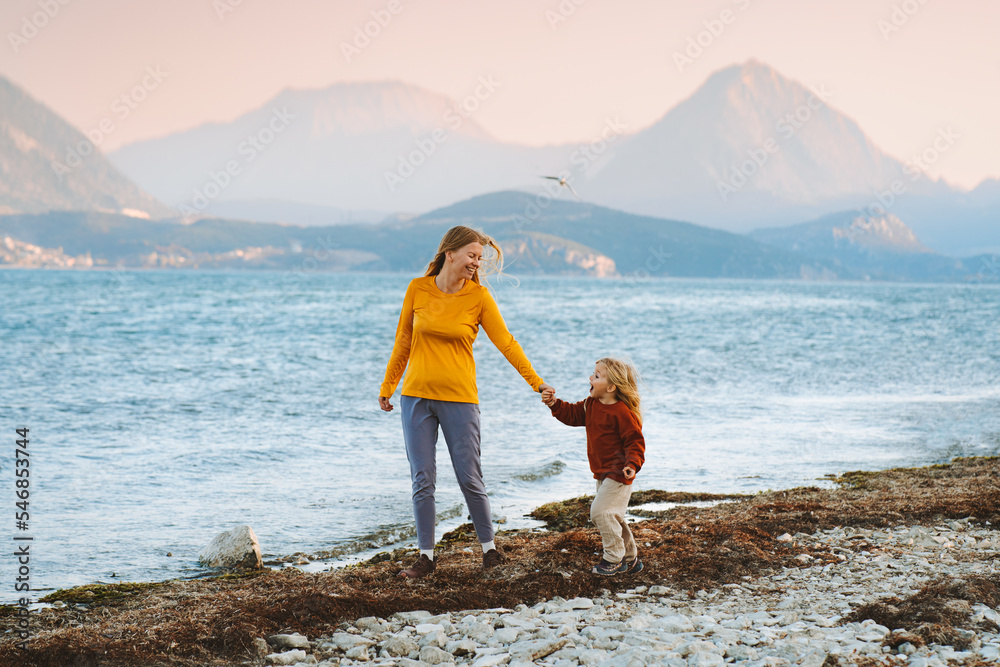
x=608, y=514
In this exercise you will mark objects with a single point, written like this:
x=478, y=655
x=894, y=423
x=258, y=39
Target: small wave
x=547, y=470
x=381, y=537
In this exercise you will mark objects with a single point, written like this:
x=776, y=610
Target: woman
x=441, y=316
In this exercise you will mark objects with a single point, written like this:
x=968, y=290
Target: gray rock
x=491, y=660
x=916, y=661
x=535, y=650
x=406, y=662
x=433, y=655
x=440, y=619
x=698, y=646
x=371, y=623
x=260, y=647
x=346, y=641
x=424, y=628
x=411, y=617
x=505, y=636
x=359, y=653
x=740, y=652
x=813, y=659
x=705, y=659
x=461, y=647
x=562, y=618
x=593, y=657
x=399, y=646
x=434, y=638
x=236, y=548
x=675, y=624
x=479, y=632
x=286, y=658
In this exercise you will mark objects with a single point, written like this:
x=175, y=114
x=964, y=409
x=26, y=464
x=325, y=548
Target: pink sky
x=559, y=81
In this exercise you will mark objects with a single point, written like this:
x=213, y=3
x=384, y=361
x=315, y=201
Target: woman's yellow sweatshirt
x=435, y=335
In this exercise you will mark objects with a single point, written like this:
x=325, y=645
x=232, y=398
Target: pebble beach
x=894, y=567
x=797, y=616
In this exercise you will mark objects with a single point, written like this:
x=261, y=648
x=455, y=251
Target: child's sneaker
x=606, y=569
x=634, y=566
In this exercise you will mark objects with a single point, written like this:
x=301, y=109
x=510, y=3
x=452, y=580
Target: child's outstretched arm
x=571, y=414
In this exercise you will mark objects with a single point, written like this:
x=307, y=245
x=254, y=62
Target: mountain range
x=538, y=236
x=750, y=152
x=749, y=149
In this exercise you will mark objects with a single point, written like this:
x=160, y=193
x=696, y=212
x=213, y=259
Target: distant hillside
x=123, y=241
x=538, y=236
x=638, y=245
x=879, y=247
x=563, y=238
x=32, y=138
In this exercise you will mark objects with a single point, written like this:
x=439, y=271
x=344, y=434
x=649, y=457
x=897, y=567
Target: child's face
x=599, y=385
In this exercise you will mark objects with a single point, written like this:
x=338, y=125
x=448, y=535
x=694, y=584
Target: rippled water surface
x=165, y=407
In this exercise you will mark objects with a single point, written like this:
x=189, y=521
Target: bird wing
x=572, y=190
x=554, y=178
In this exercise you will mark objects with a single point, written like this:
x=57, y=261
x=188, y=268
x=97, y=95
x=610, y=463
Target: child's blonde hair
x=625, y=378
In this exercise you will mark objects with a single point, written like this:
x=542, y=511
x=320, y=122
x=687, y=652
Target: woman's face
x=466, y=260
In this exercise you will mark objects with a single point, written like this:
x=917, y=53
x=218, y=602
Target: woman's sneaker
x=492, y=559
x=421, y=568
x=634, y=566
x=606, y=569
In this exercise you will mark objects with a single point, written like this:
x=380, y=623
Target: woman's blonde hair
x=626, y=380
x=460, y=236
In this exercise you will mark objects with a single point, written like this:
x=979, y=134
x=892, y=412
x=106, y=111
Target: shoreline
x=692, y=554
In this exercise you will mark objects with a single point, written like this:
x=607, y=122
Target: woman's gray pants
x=460, y=424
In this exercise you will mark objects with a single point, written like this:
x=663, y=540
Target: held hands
x=629, y=472
x=548, y=394
x=383, y=402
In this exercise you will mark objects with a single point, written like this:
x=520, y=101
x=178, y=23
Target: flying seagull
x=564, y=183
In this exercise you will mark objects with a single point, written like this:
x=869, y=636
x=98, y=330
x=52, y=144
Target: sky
x=905, y=70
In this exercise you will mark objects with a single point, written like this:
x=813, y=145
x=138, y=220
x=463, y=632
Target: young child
x=616, y=450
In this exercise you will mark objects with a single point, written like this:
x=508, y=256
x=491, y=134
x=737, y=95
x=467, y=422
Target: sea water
x=165, y=407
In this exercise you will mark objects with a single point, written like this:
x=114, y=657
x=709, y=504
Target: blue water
x=165, y=407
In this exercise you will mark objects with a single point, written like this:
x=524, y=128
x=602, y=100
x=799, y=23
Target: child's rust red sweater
x=614, y=436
